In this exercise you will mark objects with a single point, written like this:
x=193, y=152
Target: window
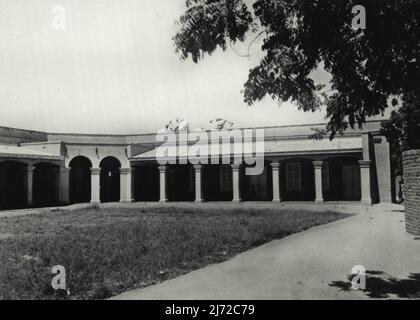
x=326, y=176
x=293, y=176
x=225, y=178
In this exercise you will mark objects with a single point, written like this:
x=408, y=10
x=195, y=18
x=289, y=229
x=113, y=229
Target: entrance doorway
x=80, y=180
x=351, y=182
x=110, y=180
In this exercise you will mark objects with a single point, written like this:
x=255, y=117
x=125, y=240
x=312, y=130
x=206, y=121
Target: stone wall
x=13, y=136
x=411, y=169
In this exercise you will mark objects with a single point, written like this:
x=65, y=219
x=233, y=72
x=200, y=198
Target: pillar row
x=163, y=184
x=126, y=183
x=63, y=185
x=318, y=181
x=275, y=167
x=198, y=183
x=236, y=182
x=95, y=174
x=29, y=185
x=365, y=181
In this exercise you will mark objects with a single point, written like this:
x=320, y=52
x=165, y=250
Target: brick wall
x=411, y=169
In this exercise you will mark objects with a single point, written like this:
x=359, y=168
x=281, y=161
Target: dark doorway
x=217, y=182
x=181, y=182
x=80, y=180
x=297, y=180
x=341, y=179
x=257, y=187
x=45, y=185
x=110, y=179
x=13, y=194
x=146, y=183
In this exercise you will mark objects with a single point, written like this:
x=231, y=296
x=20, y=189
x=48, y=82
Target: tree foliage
x=367, y=66
x=402, y=122
x=221, y=124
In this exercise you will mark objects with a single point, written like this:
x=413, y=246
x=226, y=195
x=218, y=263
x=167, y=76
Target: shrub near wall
x=411, y=169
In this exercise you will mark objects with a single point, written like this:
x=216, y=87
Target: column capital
x=197, y=167
x=64, y=169
x=125, y=170
x=318, y=163
x=95, y=170
x=163, y=168
x=31, y=168
x=235, y=166
x=364, y=163
x=275, y=165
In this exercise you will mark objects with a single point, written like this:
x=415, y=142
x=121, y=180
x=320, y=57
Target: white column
x=29, y=185
x=63, y=185
x=365, y=181
x=236, y=181
x=95, y=174
x=126, y=185
x=275, y=167
x=318, y=181
x=162, y=184
x=198, y=184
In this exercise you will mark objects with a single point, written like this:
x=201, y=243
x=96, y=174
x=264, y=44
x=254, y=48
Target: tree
x=221, y=124
x=368, y=66
x=396, y=129
x=178, y=125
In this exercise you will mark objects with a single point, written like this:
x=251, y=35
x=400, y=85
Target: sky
x=113, y=69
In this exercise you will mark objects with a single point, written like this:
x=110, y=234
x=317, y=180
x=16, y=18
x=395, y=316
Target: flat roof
x=344, y=144
x=7, y=151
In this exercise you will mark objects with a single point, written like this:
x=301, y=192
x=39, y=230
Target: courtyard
x=109, y=249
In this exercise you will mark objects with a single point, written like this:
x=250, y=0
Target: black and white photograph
x=209, y=154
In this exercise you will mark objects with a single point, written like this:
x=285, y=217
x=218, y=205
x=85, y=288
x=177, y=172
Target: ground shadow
x=382, y=285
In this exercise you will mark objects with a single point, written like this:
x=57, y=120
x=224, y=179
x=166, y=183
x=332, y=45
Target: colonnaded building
x=39, y=169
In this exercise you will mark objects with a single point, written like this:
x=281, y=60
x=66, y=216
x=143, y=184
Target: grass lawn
x=106, y=251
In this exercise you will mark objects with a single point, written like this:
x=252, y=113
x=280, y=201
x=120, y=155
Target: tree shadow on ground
x=382, y=285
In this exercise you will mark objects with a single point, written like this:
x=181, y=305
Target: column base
x=276, y=200
x=95, y=202
x=163, y=200
x=366, y=202
x=319, y=201
x=237, y=200
x=198, y=200
x=127, y=200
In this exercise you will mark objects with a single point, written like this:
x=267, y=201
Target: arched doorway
x=45, y=185
x=110, y=179
x=80, y=180
x=13, y=194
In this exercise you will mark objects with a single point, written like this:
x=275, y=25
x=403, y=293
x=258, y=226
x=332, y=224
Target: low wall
x=411, y=169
